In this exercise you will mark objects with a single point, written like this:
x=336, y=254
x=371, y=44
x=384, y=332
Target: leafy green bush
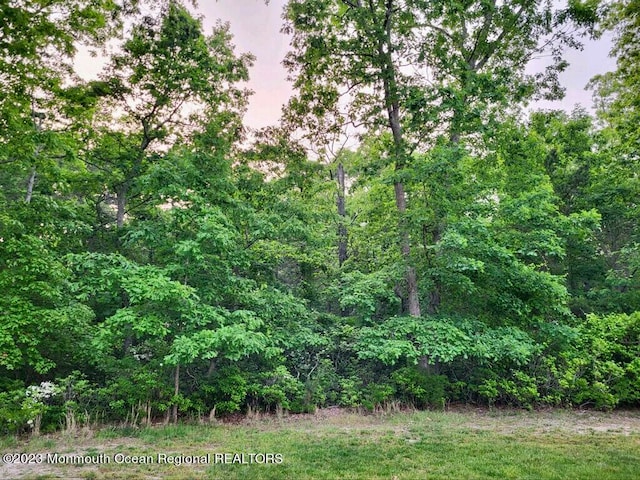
x=350, y=394
x=520, y=389
x=604, y=369
x=13, y=418
x=413, y=338
x=276, y=389
x=419, y=388
x=226, y=390
x=322, y=386
x=134, y=395
x=23, y=409
x=377, y=395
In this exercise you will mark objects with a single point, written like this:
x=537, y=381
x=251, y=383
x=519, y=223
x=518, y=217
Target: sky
x=256, y=29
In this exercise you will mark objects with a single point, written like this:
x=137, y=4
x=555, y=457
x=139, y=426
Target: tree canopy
x=160, y=260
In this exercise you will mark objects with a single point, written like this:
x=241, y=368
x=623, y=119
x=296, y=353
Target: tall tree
x=37, y=43
x=615, y=188
x=617, y=93
x=37, y=167
x=419, y=69
x=168, y=79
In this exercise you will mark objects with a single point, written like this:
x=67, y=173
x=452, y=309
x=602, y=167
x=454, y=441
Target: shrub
x=226, y=390
x=23, y=410
x=377, y=395
x=275, y=389
x=604, y=369
x=519, y=389
x=419, y=388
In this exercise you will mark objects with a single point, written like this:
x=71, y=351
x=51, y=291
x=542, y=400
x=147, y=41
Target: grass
x=421, y=445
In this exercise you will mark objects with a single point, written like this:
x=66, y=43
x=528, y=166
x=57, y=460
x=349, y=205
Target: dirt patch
x=625, y=422
x=503, y=420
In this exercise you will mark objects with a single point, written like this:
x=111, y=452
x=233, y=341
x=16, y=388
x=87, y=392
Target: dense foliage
x=156, y=262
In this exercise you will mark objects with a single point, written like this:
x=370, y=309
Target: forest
x=410, y=234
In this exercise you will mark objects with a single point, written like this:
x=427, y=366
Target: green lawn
x=336, y=445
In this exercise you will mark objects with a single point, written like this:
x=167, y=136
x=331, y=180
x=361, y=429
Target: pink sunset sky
x=256, y=29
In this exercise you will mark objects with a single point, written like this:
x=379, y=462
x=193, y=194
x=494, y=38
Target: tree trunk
x=212, y=368
x=413, y=301
x=37, y=123
x=342, y=213
x=454, y=140
x=434, y=295
x=393, y=114
x=122, y=203
x=176, y=391
x=128, y=329
x=127, y=343
x=30, y=184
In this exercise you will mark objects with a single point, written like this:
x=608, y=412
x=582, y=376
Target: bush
x=419, y=388
x=349, y=392
x=23, y=410
x=134, y=396
x=275, y=390
x=377, y=395
x=226, y=390
x=604, y=369
x=519, y=389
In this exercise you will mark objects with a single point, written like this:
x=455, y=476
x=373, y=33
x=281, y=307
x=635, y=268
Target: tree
x=37, y=44
x=616, y=92
x=169, y=79
x=39, y=317
x=572, y=160
x=419, y=70
x=615, y=188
